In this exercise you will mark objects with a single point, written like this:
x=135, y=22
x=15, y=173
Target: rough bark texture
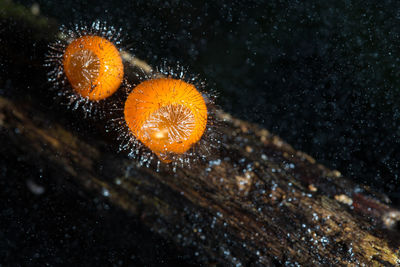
x=258, y=202
x=263, y=203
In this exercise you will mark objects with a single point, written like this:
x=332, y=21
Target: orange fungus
x=93, y=67
x=167, y=115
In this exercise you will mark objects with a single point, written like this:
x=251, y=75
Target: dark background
x=323, y=75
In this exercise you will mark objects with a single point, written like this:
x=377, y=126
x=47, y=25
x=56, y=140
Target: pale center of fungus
x=83, y=69
x=169, y=124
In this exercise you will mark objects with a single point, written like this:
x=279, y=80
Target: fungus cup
x=167, y=115
x=93, y=67
x=86, y=66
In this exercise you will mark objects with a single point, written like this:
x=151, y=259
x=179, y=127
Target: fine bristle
x=205, y=146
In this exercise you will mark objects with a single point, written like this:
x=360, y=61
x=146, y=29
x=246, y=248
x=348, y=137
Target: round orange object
x=93, y=67
x=167, y=115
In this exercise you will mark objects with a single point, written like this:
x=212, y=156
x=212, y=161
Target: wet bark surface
x=262, y=202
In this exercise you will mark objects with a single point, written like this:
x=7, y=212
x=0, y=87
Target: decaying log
x=258, y=202
x=262, y=203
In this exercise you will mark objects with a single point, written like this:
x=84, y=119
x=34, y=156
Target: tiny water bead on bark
x=167, y=115
x=93, y=67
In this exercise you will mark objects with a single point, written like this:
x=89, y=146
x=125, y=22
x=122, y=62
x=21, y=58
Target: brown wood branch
x=262, y=203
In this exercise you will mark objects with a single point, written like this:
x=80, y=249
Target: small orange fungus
x=167, y=115
x=93, y=67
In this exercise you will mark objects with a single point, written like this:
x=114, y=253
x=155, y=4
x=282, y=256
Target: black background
x=323, y=75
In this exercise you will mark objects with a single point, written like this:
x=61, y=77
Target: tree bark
x=262, y=203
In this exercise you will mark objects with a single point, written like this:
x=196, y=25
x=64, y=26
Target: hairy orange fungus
x=167, y=115
x=93, y=67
